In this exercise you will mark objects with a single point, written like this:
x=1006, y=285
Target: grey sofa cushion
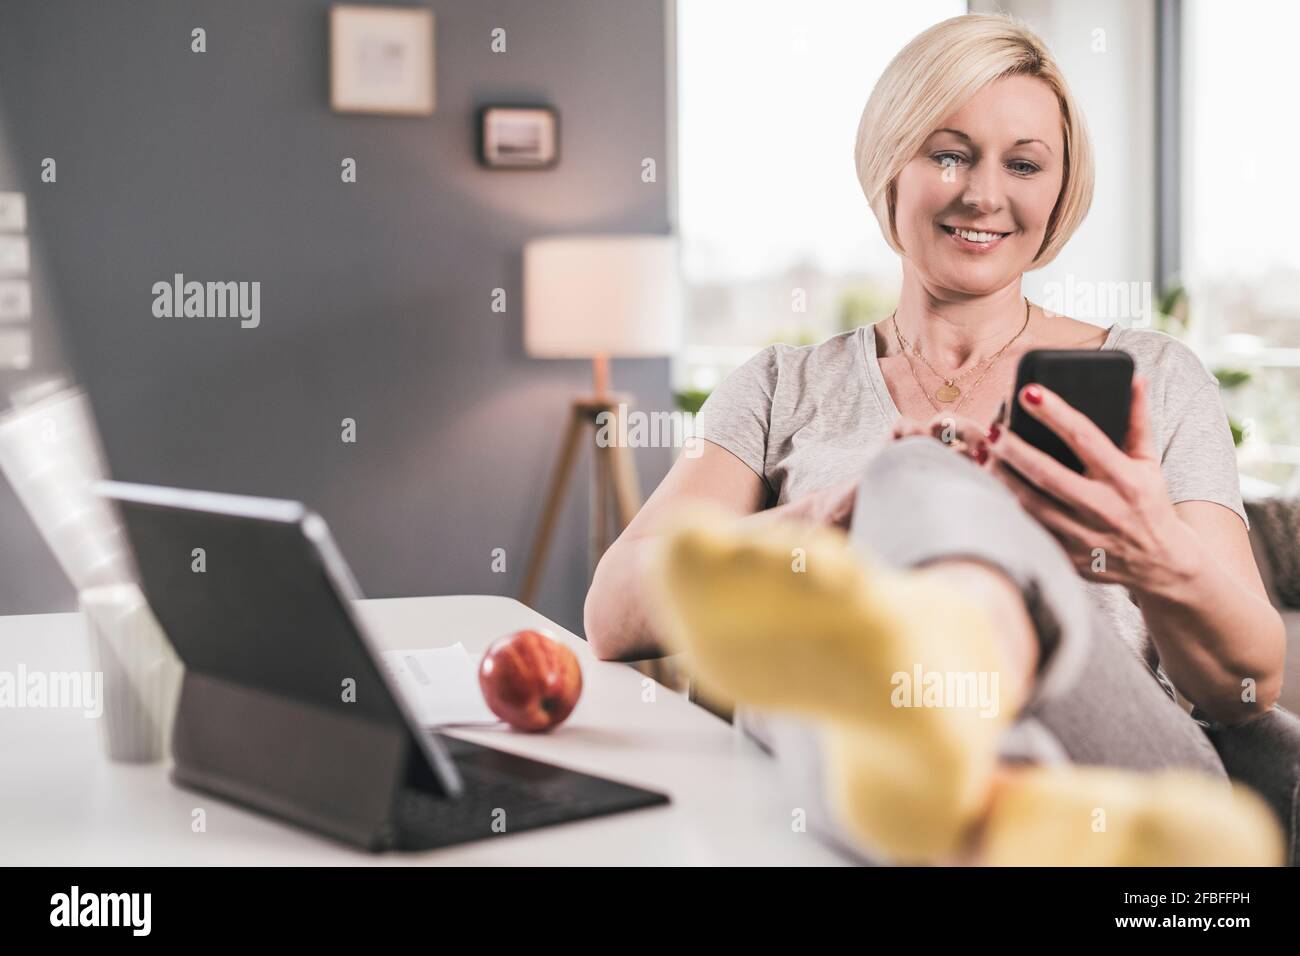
x=1290, y=698
x=1275, y=536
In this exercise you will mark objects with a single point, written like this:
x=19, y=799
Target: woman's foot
x=787, y=617
x=912, y=687
x=1101, y=816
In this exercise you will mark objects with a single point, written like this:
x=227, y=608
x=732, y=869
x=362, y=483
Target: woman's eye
x=1022, y=167
x=949, y=159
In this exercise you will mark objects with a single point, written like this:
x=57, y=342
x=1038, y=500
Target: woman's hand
x=1115, y=520
x=831, y=506
x=963, y=435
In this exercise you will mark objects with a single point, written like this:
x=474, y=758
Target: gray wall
x=30, y=579
x=375, y=295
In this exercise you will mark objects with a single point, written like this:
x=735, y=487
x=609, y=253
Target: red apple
x=530, y=681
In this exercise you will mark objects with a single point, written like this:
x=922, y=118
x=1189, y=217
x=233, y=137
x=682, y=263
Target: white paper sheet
x=441, y=685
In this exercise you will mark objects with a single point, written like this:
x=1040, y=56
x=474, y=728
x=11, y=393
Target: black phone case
x=1097, y=383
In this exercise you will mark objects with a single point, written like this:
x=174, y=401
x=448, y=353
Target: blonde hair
x=938, y=71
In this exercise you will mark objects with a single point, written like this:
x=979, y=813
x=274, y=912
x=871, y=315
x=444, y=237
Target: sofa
x=1290, y=698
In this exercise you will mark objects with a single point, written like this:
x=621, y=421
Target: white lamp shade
x=601, y=295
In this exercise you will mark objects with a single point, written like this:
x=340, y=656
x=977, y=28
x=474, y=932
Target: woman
x=976, y=162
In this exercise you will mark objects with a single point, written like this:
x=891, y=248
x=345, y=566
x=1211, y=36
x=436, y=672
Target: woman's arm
x=615, y=616
x=1214, y=626
x=1189, y=565
x=616, y=619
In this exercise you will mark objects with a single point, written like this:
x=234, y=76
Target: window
x=778, y=242
x=1241, y=253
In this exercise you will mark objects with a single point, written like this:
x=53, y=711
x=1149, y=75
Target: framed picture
x=381, y=60
x=519, y=137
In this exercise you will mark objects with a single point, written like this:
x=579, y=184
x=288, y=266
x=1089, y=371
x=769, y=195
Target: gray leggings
x=1094, y=700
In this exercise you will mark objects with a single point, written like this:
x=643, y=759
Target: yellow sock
x=788, y=617
x=1100, y=816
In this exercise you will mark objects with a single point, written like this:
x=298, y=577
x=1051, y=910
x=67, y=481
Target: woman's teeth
x=972, y=236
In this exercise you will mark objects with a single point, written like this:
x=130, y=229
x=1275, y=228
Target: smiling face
x=973, y=205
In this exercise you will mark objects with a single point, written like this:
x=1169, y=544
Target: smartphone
x=1098, y=383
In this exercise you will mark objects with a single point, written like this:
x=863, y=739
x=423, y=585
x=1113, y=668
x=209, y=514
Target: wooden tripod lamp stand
x=597, y=297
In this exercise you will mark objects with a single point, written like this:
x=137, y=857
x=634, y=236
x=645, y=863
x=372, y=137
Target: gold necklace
x=916, y=378
x=948, y=391
x=988, y=366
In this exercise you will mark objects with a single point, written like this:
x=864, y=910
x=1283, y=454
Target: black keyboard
x=505, y=794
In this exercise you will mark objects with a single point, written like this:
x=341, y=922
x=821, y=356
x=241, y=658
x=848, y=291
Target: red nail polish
x=1033, y=395
x=994, y=431
x=981, y=455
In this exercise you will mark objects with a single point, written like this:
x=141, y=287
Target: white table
x=62, y=802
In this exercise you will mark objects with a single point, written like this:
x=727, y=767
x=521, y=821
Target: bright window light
x=769, y=206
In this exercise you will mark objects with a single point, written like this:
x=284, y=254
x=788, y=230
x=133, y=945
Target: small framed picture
x=519, y=137
x=381, y=60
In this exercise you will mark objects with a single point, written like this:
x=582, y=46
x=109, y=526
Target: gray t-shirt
x=806, y=417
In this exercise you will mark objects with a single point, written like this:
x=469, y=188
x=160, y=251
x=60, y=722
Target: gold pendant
x=947, y=392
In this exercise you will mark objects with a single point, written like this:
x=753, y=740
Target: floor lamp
x=597, y=297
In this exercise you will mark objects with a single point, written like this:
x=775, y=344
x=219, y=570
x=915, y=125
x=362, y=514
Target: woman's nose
x=983, y=190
